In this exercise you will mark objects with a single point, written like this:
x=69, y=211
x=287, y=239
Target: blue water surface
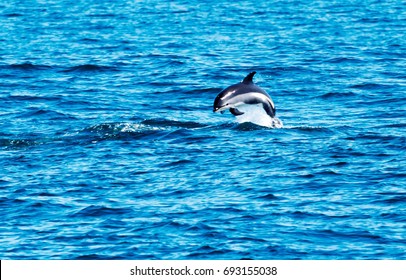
x=109, y=148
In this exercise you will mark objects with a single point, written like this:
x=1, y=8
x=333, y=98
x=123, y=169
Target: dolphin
x=243, y=93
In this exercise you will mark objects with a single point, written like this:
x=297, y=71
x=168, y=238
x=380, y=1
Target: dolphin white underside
x=254, y=113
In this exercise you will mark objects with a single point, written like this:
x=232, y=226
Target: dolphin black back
x=245, y=88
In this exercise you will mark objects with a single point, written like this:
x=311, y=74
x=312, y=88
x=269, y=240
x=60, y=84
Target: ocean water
x=109, y=148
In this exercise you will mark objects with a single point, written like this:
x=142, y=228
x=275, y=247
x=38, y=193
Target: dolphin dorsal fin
x=248, y=79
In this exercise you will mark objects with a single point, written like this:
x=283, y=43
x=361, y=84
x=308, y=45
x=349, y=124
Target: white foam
x=257, y=115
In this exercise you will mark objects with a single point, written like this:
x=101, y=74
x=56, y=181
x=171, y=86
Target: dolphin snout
x=218, y=109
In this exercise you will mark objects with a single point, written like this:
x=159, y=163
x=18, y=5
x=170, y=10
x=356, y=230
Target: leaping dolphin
x=243, y=93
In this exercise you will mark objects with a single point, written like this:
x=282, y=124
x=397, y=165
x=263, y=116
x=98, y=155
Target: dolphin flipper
x=236, y=112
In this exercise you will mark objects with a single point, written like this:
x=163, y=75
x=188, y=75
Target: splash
x=256, y=114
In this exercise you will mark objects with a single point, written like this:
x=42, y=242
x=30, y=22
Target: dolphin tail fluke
x=248, y=79
x=270, y=110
